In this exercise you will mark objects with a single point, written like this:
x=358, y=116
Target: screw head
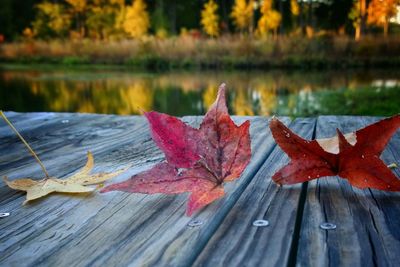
x=4, y=214
x=195, y=223
x=327, y=226
x=260, y=223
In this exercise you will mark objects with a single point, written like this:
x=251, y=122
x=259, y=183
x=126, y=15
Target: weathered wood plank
x=115, y=228
x=367, y=220
x=64, y=148
x=153, y=231
x=237, y=242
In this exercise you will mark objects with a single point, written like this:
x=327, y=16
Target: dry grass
x=225, y=52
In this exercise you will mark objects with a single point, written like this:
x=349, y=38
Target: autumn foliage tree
x=51, y=20
x=380, y=12
x=294, y=8
x=209, y=18
x=101, y=18
x=355, y=16
x=270, y=19
x=242, y=14
x=79, y=8
x=137, y=21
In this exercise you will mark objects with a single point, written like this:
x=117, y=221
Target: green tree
x=159, y=20
x=209, y=18
x=136, y=22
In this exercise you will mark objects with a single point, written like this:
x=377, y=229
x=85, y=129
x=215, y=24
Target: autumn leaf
x=198, y=161
x=75, y=183
x=354, y=156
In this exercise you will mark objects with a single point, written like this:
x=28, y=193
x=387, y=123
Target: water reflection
x=184, y=93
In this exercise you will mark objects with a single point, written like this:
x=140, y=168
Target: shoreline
x=161, y=65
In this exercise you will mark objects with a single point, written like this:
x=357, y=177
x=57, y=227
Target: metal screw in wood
x=260, y=223
x=4, y=214
x=327, y=226
x=195, y=223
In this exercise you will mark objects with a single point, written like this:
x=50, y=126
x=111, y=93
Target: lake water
x=293, y=93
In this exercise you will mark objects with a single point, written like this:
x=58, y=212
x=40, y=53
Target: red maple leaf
x=198, y=161
x=354, y=157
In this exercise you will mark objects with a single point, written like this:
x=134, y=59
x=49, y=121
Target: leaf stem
x=26, y=144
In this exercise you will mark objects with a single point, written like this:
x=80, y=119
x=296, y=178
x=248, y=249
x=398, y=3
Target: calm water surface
x=191, y=93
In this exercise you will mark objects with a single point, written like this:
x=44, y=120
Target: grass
x=228, y=52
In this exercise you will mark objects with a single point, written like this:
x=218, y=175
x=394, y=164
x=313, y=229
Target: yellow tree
x=270, y=19
x=79, y=8
x=380, y=12
x=355, y=16
x=209, y=18
x=294, y=8
x=136, y=22
x=51, y=20
x=242, y=14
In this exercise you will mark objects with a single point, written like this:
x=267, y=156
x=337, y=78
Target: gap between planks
x=248, y=245
x=226, y=208
x=235, y=195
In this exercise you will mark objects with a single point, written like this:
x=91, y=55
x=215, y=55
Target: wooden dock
x=122, y=229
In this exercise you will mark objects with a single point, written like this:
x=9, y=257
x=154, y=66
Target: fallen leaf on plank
x=198, y=161
x=354, y=156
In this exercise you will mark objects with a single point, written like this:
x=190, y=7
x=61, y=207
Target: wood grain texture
x=115, y=228
x=62, y=149
x=237, y=242
x=367, y=220
x=138, y=230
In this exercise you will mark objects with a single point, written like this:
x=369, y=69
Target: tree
x=356, y=17
x=137, y=22
x=159, y=20
x=102, y=17
x=270, y=18
x=51, y=20
x=209, y=18
x=79, y=9
x=333, y=15
x=380, y=11
x=242, y=14
x=294, y=8
x=294, y=13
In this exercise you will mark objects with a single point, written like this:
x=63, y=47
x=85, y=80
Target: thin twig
x=25, y=143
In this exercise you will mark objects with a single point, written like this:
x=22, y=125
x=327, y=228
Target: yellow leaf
x=75, y=183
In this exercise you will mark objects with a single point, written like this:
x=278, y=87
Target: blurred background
x=284, y=57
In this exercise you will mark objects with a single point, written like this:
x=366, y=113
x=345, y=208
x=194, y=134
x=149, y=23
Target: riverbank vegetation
x=229, y=52
x=236, y=34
